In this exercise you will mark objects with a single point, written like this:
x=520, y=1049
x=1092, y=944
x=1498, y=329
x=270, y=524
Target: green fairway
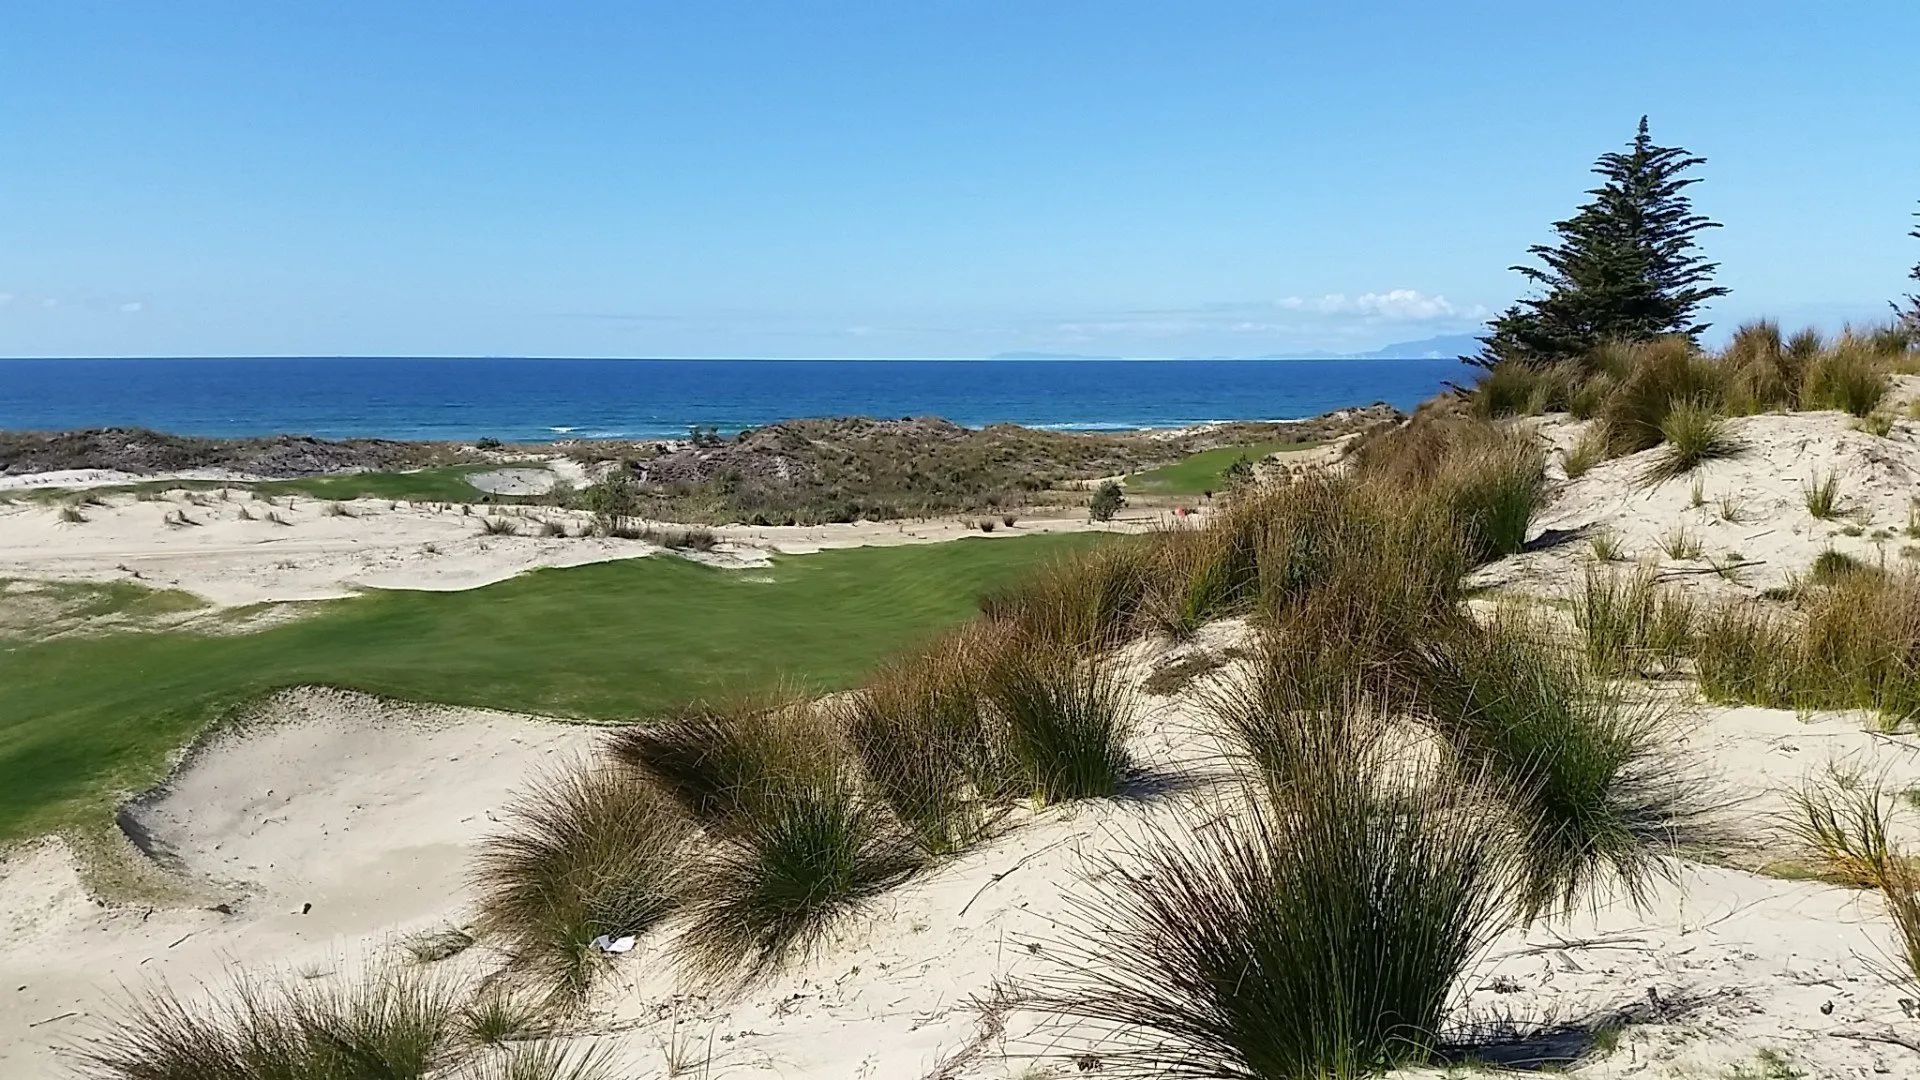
x=448, y=483
x=86, y=719
x=1203, y=471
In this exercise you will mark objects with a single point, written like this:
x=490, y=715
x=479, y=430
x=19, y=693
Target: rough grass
x=1065, y=718
x=1660, y=376
x=86, y=719
x=805, y=852
x=385, y=1025
x=1850, y=375
x=1595, y=796
x=1852, y=643
x=1628, y=625
x=925, y=745
x=1324, y=933
x=1693, y=433
x=1089, y=602
x=587, y=853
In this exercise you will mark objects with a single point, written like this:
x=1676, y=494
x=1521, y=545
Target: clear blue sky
x=916, y=178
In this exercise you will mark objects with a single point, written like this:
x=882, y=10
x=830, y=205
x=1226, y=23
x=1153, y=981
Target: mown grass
x=83, y=720
x=1204, y=471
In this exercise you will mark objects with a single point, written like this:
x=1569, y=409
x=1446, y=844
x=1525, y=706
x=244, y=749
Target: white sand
x=1773, y=533
x=377, y=543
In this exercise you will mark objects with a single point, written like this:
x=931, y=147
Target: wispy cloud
x=132, y=306
x=1394, y=305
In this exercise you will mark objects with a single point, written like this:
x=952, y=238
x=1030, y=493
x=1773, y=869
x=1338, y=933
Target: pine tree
x=1910, y=315
x=1626, y=265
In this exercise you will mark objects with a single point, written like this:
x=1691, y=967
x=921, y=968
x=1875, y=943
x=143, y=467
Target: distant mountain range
x=1444, y=347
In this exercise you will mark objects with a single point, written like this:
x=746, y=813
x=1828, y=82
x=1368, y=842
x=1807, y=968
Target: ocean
x=527, y=400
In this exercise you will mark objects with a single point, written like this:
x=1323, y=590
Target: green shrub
x=1065, y=718
x=1107, y=501
x=1325, y=935
x=595, y=851
x=1693, y=434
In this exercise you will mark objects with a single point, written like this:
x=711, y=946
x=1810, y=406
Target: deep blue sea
x=524, y=400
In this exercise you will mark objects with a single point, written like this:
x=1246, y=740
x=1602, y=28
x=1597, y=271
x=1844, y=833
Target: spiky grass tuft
x=804, y=853
x=1324, y=933
x=1595, y=795
x=593, y=851
x=1064, y=718
x=1092, y=602
x=1693, y=433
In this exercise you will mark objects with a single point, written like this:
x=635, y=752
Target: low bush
x=591, y=852
x=1325, y=934
x=1107, y=501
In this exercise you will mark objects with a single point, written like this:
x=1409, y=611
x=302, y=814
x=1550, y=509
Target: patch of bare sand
x=234, y=552
x=369, y=812
x=1752, y=516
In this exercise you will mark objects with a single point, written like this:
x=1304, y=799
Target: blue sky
x=917, y=178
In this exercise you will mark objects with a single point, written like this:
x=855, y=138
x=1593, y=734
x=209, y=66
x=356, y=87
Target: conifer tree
x=1910, y=315
x=1626, y=266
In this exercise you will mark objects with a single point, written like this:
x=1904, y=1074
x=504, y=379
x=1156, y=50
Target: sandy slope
x=368, y=812
x=1772, y=531
x=376, y=543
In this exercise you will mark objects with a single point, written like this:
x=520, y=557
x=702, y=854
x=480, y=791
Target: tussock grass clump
x=1694, y=433
x=1064, y=718
x=1605, y=546
x=595, y=851
x=1850, y=375
x=925, y=745
x=335, y=509
x=1586, y=452
x=1325, y=933
x=498, y=527
x=714, y=760
x=806, y=851
x=1660, y=376
x=1091, y=602
x=1842, y=823
x=1763, y=371
x=1594, y=795
x=1489, y=481
x=1822, y=496
x=1629, y=625
x=1680, y=544
x=71, y=515
x=394, y=1025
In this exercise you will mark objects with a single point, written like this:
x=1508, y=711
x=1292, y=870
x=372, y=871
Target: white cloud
x=132, y=306
x=1394, y=305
